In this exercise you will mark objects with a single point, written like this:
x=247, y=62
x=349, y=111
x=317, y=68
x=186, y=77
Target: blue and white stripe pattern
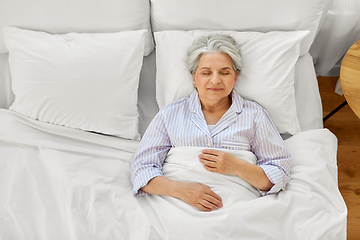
x=245, y=126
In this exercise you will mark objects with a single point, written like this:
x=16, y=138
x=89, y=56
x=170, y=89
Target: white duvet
x=61, y=183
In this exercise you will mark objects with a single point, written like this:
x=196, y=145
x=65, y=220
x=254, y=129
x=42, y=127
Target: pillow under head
x=267, y=74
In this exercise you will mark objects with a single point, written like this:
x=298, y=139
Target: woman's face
x=214, y=78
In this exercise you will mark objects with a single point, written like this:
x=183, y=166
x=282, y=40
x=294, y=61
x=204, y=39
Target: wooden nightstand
x=350, y=77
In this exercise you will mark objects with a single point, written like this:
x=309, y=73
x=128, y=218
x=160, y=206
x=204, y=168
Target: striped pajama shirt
x=245, y=126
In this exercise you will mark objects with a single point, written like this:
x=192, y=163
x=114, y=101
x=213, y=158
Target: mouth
x=215, y=89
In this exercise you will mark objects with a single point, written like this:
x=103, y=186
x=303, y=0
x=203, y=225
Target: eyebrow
x=224, y=68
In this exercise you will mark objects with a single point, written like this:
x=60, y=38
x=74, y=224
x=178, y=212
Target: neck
x=221, y=105
x=213, y=111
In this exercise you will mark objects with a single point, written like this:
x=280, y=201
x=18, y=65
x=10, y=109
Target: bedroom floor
x=346, y=126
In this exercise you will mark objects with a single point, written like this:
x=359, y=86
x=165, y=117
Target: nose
x=215, y=78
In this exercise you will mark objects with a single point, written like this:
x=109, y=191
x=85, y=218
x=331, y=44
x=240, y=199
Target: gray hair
x=213, y=43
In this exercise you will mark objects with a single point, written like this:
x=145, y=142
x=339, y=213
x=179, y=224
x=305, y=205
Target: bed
x=81, y=80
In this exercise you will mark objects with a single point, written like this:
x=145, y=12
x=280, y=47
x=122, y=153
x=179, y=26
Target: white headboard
x=66, y=16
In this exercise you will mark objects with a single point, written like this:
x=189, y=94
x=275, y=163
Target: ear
x=237, y=74
x=194, y=81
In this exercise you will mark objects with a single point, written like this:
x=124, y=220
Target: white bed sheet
x=61, y=183
x=58, y=183
x=308, y=100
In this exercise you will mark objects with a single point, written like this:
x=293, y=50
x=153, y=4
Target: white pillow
x=240, y=15
x=82, y=81
x=267, y=76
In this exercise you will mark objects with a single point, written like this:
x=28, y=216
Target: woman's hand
x=200, y=196
x=196, y=194
x=219, y=161
x=226, y=163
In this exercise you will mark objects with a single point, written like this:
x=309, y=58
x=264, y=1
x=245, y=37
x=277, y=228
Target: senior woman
x=215, y=117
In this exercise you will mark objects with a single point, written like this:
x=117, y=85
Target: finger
x=213, y=202
x=211, y=169
x=203, y=208
x=211, y=193
x=208, y=163
x=211, y=151
x=208, y=205
x=208, y=157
